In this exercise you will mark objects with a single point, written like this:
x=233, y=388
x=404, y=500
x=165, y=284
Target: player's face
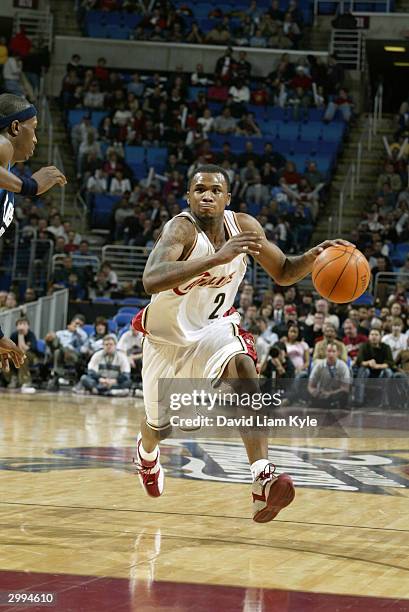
x=25, y=141
x=208, y=195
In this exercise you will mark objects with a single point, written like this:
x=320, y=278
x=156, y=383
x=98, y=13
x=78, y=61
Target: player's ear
x=228, y=200
x=14, y=128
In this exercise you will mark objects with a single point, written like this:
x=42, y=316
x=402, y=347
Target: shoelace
x=267, y=472
x=145, y=471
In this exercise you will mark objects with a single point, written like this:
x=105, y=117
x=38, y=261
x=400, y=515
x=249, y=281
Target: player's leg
x=271, y=493
x=157, y=364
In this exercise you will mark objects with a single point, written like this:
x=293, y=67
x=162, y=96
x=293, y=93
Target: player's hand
x=48, y=177
x=248, y=243
x=315, y=251
x=10, y=352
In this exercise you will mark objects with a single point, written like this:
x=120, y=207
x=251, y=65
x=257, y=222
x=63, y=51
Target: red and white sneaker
x=271, y=494
x=150, y=473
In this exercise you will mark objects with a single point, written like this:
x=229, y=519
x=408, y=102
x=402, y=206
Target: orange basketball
x=341, y=274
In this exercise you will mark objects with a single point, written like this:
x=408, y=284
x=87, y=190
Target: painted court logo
x=382, y=472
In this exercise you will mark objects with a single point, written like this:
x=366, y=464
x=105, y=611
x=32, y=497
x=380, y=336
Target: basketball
x=341, y=274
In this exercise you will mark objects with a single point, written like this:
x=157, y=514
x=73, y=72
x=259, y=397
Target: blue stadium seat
x=41, y=346
x=156, y=155
x=311, y=131
x=133, y=310
x=276, y=113
x=134, y=301
x=138, y=170
x=123, y=318
x=88, y=329
x=97, y=117
x=288, y=131
x=103, y=300
x=75, y=116
x=134, y=155
x=306, y=148
x=333, y=132
x=112, y=326
x=366, y=299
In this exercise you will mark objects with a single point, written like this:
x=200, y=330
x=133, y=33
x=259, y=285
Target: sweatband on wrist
x=29, y=186
x=21, y=116
x=1, y=333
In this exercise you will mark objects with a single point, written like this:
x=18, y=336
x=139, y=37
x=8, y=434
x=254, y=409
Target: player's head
x=18, y=122
x=208, y=191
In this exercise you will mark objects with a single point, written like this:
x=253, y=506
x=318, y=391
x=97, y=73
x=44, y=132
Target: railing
x=46, y=125
x=78, y=261
x=349, y=48
x=349, y=5
x=53, y=152
x=389, y=279
x=127, y=261
x=37, y=24
x=57, y=161
x=377, y=109
x=46, y=314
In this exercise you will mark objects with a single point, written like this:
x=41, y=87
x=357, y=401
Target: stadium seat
x=311, y=131
x=288, y=131
x=138, y=170
x=41, y=346
x=134, y=154
x=123, y=318
x=156, y=155
x=366, y=299
x=103, y=300
x=89, y=329
x=134, y=301
x=333, y=132
x=133, y=310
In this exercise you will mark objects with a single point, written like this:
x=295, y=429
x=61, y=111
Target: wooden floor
x=74, y=521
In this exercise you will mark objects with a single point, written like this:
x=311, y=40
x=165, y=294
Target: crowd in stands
x=157, y=129
x=22, y=63
x=251, y=23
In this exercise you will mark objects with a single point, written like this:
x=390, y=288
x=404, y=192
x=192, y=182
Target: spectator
x=297, y=349
x=108, y=371
x=397, y=341
x=94, y=341
x=352, y=339
x=130, y=343
x=330, y=380
x=64, y=348
x=343, y=102
x=330, y=336
x=26, y=340
x=277, y=363
x=375, y=361
x=20, y=45
x=12, y=72
x=225, y=123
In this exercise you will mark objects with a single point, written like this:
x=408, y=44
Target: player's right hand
x=47, y=177
x=10, y=352
x=246, y=243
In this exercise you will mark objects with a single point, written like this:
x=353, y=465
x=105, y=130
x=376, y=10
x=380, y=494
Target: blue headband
x=21, y=116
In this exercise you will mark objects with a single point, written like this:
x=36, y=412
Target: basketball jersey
x=6, y=209
x=185, y=314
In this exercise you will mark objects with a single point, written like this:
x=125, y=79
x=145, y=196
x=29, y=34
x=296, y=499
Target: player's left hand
x=10, y=352
x=315, y=251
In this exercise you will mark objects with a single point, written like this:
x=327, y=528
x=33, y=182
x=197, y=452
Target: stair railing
x=377, y=109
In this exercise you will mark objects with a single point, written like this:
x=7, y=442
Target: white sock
x=145, y=455
x=258, y=466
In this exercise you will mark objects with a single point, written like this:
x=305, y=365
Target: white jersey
x=185, y=314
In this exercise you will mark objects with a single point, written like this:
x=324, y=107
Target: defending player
x=18, y=122
x=193, y=274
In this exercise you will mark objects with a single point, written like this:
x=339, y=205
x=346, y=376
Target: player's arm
x=165, y=268
x=283, y=269
x=40, y=181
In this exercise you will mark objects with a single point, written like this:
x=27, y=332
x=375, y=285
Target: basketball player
x=193, y=273
x=18, y=122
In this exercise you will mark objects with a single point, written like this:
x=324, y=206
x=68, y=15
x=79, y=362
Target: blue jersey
x=6, y=209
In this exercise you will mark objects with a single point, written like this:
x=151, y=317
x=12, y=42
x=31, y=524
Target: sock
x=148, y=456
x=258, y=466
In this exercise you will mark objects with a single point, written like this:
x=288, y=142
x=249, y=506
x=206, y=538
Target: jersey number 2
x=219, y=301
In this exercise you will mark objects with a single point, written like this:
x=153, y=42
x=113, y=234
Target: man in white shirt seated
x=130, y=343
x=330, y=380
x=108, y=371
x=396, y=340
x=64, y=350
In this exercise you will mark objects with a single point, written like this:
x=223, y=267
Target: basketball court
x=75, y=522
